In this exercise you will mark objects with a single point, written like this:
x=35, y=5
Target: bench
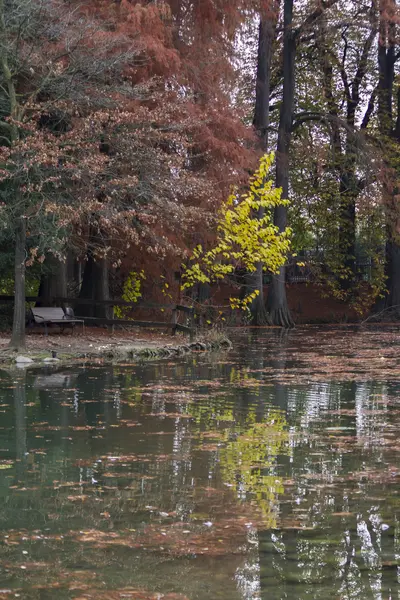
x=43, y=315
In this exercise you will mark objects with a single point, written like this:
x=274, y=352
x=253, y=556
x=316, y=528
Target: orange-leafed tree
x=192, y=126
x=118, y=130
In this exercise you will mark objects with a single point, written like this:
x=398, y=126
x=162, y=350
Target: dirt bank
x=100, y=344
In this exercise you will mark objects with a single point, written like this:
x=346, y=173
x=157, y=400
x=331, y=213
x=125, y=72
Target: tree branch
x=370, y=109
x=322, y=118
x=362, y=67
x=314, y=16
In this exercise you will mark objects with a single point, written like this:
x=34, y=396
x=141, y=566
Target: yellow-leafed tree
x=246, y=236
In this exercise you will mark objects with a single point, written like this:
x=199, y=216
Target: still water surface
x=237, y=476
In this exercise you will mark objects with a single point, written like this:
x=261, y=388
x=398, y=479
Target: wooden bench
x=45, y=315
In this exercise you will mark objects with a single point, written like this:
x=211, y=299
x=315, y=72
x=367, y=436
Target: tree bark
x=18, y=331
x=348, y=191
x=266, y=35
x=392, y=272
x=53, y=283
x=278, y=309
x=261, y=120
x=386, y=67
x=16, y=112
x=258, y=309
x=95, y=286
x=74, y=274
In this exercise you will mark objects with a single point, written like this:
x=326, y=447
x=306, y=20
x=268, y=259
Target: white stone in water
x=51, y=360
x=23, y=359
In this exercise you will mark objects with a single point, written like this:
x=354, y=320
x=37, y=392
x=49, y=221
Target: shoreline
x=100, y=346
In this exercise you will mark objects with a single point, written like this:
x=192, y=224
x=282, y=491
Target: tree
x=277, y=302
x=389, y=131
x=108, y=137
x=49, y=63
x=339, y=61
x=190, y=132
x=245, y=239
x=261, y=123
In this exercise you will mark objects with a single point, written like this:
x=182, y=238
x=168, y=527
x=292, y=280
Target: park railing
x=172, y=324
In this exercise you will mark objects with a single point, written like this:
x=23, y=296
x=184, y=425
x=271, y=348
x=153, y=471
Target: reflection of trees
x=353, y=559
x=20, y=419
x=337, y=535
x=319, y=460
x=249, y=464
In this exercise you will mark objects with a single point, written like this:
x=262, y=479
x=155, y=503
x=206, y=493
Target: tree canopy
x=126, y=125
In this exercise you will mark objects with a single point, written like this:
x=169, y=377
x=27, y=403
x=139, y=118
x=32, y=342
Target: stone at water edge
x=51, y=360
x=23, y=360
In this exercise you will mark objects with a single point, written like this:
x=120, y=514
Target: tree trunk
x=74, y=274
x=261, y=123
x=18, y=331
x=95, y=287
x=53, y=283
x=386, y=64
x=277, y=302
x=392, y=271
x=266, y=34
x=347, y=224
x=258, y=310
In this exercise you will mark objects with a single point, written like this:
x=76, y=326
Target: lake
x=267, y=472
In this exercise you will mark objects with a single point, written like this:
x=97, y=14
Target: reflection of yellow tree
x=247, y=462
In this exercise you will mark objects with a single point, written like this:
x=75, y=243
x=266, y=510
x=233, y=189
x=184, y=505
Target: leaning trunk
x=277, y=301
x=18, y=331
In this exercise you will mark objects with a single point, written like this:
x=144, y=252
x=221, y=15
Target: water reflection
x=210, y=477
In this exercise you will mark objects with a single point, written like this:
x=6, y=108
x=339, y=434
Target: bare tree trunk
x=74, y=274
x=386, y=64
x=103, y=287
x=255, y=282
x=95, y=287
x=266, y=34
x=392, y=271
x=18, y=332
x=277, y=301
x=53, y=283
x=347, y=229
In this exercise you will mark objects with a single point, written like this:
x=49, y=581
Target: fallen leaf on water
x=80, y=498
x=128, y=593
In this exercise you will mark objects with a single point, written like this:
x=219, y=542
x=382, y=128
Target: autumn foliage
x=125, y=125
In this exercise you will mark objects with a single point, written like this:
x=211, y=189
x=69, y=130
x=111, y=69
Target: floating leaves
x=201, y=460
x=127, y=593
x=6, y=464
